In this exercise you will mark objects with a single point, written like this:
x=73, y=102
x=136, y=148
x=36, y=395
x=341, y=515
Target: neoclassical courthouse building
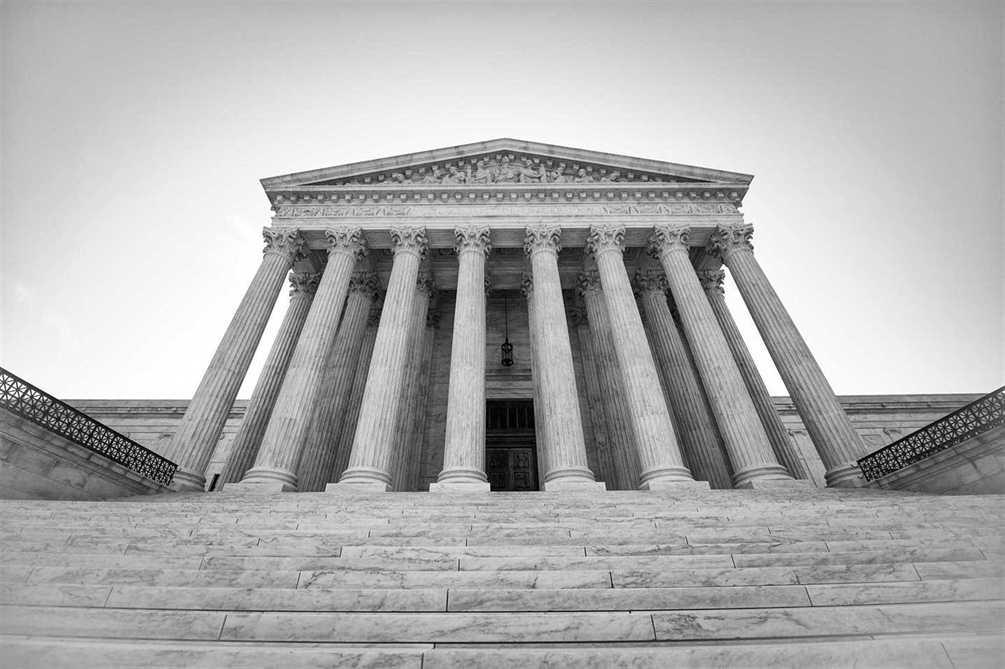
x=471, y=321
x=512, y=314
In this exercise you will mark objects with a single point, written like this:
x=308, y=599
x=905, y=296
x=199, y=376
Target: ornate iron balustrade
x=975, y=418
x=22, y=398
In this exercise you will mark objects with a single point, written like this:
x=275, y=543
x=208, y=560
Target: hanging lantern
x=507, y=348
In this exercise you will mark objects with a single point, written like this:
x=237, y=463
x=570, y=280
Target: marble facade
x=600, y=269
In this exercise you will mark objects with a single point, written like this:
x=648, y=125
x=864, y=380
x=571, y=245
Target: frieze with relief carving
x=399, y=211
x=508, y=168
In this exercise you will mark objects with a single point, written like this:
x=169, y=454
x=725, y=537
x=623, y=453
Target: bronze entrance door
x=510, y=448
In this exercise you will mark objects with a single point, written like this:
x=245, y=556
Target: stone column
x=837, y=442
x=373, y=445
x=464, y=450
x=749, y=450
x=781, y=444
x=540, y=435
x=347, y=430
x=660, y=460
x=420, y=400
x=695, y=424
x=596, y=396
x=193, y=443
x=319, y=452
x=424, y=291
x=249, y=436
x=563, y=424
x=615, y=409
x=283, y=442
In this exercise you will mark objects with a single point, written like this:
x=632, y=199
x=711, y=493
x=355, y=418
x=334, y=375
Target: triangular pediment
x=506, y=162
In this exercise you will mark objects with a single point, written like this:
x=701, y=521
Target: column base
x=674, y=484
x=573, y=485
x=184, y=481
x=357, y=486
x=745, y=477
x=845, y=476
x=778, y=484
x=460, y=487
x=362, y=478
x=258, y=487
x=274, y=479
x=654, y=479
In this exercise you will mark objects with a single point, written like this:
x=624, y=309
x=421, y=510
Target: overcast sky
x=134, y=135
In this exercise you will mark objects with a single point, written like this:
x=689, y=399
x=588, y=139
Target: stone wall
x=36, y=463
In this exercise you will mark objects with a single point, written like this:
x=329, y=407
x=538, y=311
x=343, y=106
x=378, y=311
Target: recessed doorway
x=510, y=446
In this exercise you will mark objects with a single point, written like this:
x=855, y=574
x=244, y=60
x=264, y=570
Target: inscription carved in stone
x=462, y=210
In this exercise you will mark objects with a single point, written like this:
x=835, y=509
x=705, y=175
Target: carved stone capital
x=711, y=280
x=726, y=240
x=605, y=238
x=651, y=282
x=409, y=239
x=588, y=282
x=527, y=284
x=542, y=238
x=666, y=238
x=346, y=239
x=304, y=283
x=472, y=238
x=287, y=243
x=364, y=282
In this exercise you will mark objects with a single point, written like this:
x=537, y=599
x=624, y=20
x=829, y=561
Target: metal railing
x=30, y=402
x=975, y=418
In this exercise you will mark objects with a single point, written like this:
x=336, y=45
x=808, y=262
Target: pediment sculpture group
x=505, y=169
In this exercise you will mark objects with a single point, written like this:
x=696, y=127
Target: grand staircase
x=780, y=578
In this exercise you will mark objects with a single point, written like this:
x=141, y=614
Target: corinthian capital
x=542, y=238
x=711, y=280
x=605, y=238
x=287, y=243
x=651, y=282
x=304, y=283
x=346, y=239
x=588, y=282
x=726, y=240
x=666, y=238
x=409, y=239
x=472, y=238
x=364, y=282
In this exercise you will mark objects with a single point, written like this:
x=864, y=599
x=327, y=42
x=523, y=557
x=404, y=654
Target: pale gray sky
x=134, y=135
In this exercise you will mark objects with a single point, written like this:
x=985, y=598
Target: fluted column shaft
x=837, y=442
x=244, y=448
x=597, y=398
x=420, y=400
x=567, y=460
x=615, y=409
x=373, y=445
x=464, y=449
x=410, y=388
x=742, y=433
x=540, y=435
x=319, y=452
x=347, y=430
x=660, y=459
x=284, y=438
x=695, y=424
x=193, y=443
x=781, y=444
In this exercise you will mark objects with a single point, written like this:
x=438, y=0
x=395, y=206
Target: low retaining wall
x=36, y=463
